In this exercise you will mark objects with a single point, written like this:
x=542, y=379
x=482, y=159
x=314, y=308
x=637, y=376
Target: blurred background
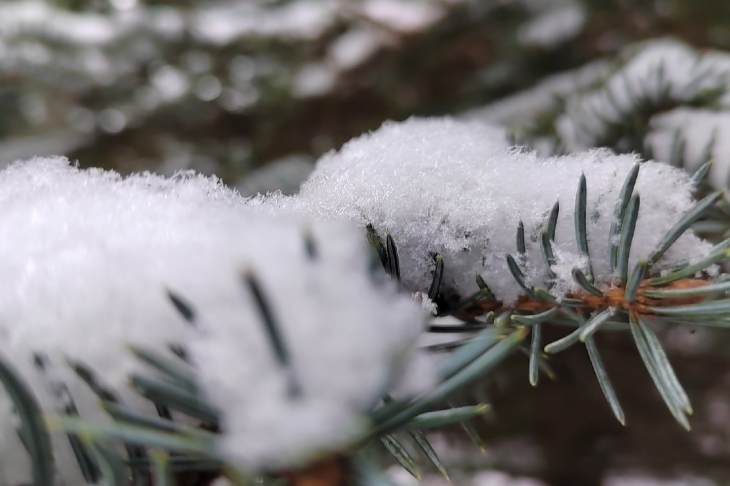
x=254, y=91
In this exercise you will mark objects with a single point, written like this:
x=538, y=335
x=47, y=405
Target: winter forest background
x=255, y=91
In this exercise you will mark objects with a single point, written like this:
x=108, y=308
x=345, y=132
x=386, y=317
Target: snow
x=456, y=188
x=225, y=22
x=403, y=15
x=313, y=79
x=76, y=50
x=701, y=132
x=354, y=47
x=557, y=24
x=170, y=83
x=655, y=70
x=428, y=306
x=87, y=258
x=33, y=15
x=659, y=79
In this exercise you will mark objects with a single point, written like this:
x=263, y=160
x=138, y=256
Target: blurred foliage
x=225, y=87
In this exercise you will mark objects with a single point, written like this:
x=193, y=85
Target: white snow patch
x=301, y=19
x=554, y=26
x=403, y=15
x=652, y=71
x=456, y=189
x=314, y=79
x=701, y=133
x=33, y=15
x=354, y=47
x=86, y=260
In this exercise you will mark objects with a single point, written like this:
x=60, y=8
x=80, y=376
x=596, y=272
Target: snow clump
x=86, y=260
x=455, y=188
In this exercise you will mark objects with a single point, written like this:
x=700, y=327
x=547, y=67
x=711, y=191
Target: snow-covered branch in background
x=662, y=99
x=656, y=76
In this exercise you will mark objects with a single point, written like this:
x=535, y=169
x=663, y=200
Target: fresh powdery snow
x=86, y=258
x=457, y=189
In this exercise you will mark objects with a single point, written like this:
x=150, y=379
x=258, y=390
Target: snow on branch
x=89, y=258
x=441, y=186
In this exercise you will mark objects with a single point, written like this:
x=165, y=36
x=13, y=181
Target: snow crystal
x=87, y=256
x=456, y=188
